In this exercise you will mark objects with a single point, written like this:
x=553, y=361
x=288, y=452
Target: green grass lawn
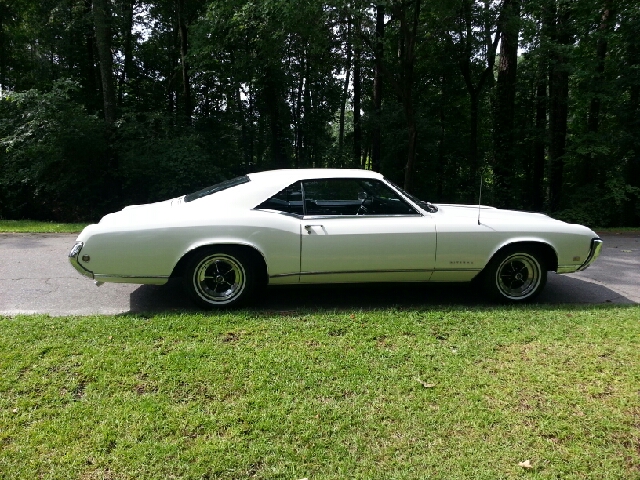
x=33, y=226
x=382, y=394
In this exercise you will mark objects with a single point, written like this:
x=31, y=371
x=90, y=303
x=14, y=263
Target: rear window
x=218, y=187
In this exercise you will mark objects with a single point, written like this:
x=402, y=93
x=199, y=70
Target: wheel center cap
x=518, y=276
x=219, y=279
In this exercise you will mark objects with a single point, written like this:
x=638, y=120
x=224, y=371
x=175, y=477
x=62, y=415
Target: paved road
x=35, y=277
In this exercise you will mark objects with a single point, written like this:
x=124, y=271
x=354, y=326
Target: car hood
x=485, y=211
x=506, y=219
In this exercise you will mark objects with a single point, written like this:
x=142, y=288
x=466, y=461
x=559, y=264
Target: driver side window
x=352, y=196
x=338, y=196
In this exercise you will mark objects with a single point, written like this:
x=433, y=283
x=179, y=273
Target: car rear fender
x=252, y=249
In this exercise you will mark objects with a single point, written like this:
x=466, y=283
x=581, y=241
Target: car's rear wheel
x=515, y=274
x=220, y=277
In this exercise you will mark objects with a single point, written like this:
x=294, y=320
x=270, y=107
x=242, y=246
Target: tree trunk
x=306, y=107
x=410, y=33
x=539, y=145
x=558, y=106
x=127, y=33
x=3, y=52
x=252, y=129
x=357, y=127
x=632, y=127
x=606, y=25
x=260, y=147
x=272, y=99
x=102, y=22
x=345, y=90
x=441, y=143
x=590, y=163
x=504, y=112
x=91, y=77
x=240, y=115
x=474, y=90
x=171, y=75
x=376, y=153
x=184, y=46
x=297, y=120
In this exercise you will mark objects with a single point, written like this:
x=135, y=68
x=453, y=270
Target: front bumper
x=594, y=252
x=73, y=259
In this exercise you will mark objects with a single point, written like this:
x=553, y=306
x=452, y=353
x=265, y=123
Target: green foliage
x=51, y=155
x=160, y=160
x=266, y=86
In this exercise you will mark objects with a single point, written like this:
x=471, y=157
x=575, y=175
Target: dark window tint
x=288, y=200
x=218, y=187
x=428, y=206
x=352, y=196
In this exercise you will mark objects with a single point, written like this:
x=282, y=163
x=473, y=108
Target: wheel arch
x=256, y=255
x=548, y=253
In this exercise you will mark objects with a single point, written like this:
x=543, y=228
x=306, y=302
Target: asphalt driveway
x=35, y=277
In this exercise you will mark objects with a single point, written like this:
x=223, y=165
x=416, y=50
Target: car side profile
x=312, y=226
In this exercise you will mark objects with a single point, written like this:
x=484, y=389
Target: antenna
x=479, y=199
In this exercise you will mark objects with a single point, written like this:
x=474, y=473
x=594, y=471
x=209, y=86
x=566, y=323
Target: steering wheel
x=362, y=210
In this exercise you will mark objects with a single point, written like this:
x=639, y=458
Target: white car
x=326, y=226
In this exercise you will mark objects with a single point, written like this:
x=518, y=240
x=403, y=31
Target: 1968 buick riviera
x=326, y=226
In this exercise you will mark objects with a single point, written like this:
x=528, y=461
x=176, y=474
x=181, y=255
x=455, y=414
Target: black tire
x=220, y=277
x=515, y=275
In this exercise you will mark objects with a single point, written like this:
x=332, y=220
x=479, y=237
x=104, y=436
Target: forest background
x=105, y=103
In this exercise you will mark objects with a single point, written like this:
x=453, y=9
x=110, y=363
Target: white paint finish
x=148, y=240
x=154, y=251
x=461, y=241
x=278, y=239
x=378, y=245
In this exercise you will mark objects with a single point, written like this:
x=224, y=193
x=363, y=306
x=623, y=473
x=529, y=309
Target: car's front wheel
x=220, y=277
x=516, y=274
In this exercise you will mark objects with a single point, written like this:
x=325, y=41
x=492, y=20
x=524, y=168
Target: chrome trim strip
x=567, y=268
x=73, y=260
x=282, y=275
x=317, y=217
x=596, y=248
x=128, y=277
x=457, y=270
x=351, y=217
x=408, y=270
x=270, y=210
x=348, y=272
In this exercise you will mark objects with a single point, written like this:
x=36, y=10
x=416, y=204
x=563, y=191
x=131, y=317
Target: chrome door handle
x=309, y=228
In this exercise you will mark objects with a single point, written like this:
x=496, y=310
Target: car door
x=361, y=230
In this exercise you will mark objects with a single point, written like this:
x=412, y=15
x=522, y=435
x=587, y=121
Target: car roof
x=268, y=183
x=291, y=175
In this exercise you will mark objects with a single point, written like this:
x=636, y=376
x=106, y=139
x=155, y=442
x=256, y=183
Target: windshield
x=429, y=207
x=218, y=187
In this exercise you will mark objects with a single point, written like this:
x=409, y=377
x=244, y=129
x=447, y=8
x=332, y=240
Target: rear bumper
x=73, y=260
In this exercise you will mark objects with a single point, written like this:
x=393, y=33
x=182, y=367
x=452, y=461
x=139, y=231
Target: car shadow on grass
x=560, y=290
